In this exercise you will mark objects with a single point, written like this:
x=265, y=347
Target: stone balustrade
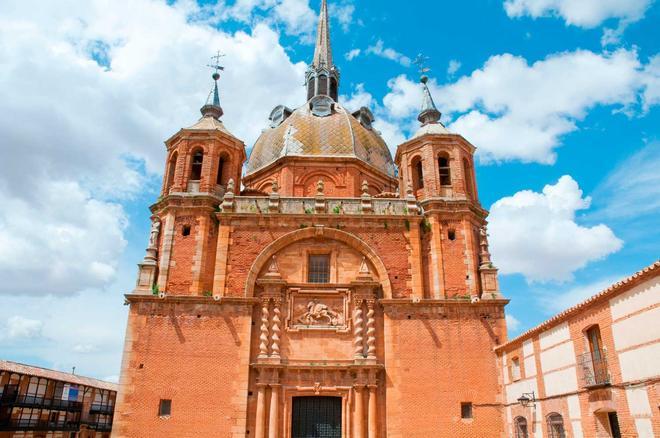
x=314, y=205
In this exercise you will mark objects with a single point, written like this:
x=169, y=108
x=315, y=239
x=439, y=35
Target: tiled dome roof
x=339, y=134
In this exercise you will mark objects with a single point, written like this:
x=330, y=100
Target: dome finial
x=429, y=113
x=212, y=106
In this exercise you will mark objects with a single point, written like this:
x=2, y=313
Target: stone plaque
x=318, y=309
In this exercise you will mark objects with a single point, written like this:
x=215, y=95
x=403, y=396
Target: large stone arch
x=318, y=232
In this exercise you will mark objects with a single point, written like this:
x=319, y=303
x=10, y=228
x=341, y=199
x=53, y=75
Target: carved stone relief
x=317, y=309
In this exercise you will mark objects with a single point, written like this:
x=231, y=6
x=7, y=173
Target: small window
x=196, y=169
x=165, y=408
x=445, y=173
x=556, y=426
x=521, y=427
x=323, y=85
x=614, y=424
x=466, y=410
x=318, y=268
x=185, y=231
x=333, y=88
x=418, y=174
x=171, y=172
x=467, y=174
x=221, y=166
x=515, y=369
x=451, y=234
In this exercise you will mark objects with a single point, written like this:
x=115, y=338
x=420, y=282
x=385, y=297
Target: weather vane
x=420, y=62
x=216, y=65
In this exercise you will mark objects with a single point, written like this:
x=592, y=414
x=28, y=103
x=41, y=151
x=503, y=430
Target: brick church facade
x=315, y=290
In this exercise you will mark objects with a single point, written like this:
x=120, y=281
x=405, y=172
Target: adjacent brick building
x=320, y=292
x=593, y=369
x=41, y=403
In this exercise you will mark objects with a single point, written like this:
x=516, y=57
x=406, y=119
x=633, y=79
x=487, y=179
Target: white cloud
x=633, y=188
x=652, y=82
x=583, y=13
x=343, y=13
x=512, y=323
x=555, y=301
x=453, y=67
x=60, y=242
x=19, y=327
x=297, y=16
x=404, y=98
x=536, y=234
x=358, y=98
x=513, y=110
x=389, y=130
x=380, y=50
x=92, y=344
x=89, y=94
x=352, y=54
x=85, y=348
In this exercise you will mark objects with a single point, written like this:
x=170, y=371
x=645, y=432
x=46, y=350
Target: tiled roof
x=30, y=370
x=648, y=272
x=304, y=134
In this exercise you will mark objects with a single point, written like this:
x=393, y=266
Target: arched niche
x=319, y=233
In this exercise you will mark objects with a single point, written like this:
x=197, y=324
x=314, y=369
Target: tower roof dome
x=338, y=134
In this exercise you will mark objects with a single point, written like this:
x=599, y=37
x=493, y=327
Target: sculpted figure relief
x=319, y=313
x=155, y=230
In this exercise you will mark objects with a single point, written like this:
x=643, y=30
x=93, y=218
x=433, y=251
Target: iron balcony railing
x=35, y=401
x=594, y=370
x=101, y=426
x=98, y=408
x=18, y=424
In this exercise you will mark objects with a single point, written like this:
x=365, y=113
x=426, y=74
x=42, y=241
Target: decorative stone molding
x=274, y=198
x=228, y=199
x=366, y=205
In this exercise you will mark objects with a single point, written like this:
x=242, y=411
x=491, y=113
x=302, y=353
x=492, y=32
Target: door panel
x=316, y=417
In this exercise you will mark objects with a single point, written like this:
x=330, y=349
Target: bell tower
x=204, y=161
x=436, y=167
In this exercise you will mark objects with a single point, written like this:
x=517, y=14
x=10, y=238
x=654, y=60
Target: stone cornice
x=187, y=299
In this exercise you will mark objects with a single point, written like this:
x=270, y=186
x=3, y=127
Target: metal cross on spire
x=216, y=65
x=420, y=61
x=212, y=106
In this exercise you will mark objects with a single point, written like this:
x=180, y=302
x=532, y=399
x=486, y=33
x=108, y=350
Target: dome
x=331, y=133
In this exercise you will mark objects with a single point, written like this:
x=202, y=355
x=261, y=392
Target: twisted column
x=263, y=337
x=275, y=329
x=371, y=330
x=358, y=330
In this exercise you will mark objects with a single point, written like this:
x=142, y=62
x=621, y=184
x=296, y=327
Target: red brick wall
x=197, y=356
x=437, y=359
x=183, y=249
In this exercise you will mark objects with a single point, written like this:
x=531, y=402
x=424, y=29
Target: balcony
x=35, y=401
x=593, y=369
x=17, y=424
x=98, y=408
x=101, y=426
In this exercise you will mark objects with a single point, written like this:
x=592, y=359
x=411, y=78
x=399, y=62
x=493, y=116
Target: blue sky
x=559, y=96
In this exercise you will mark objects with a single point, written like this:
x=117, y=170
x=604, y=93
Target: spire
x=429, y=113
x=323, y=50
x=322, y=77
x=212, y=106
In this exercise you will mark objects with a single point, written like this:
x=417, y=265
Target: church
x=320, y=287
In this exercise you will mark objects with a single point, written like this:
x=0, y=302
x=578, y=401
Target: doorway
x=316, y=417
